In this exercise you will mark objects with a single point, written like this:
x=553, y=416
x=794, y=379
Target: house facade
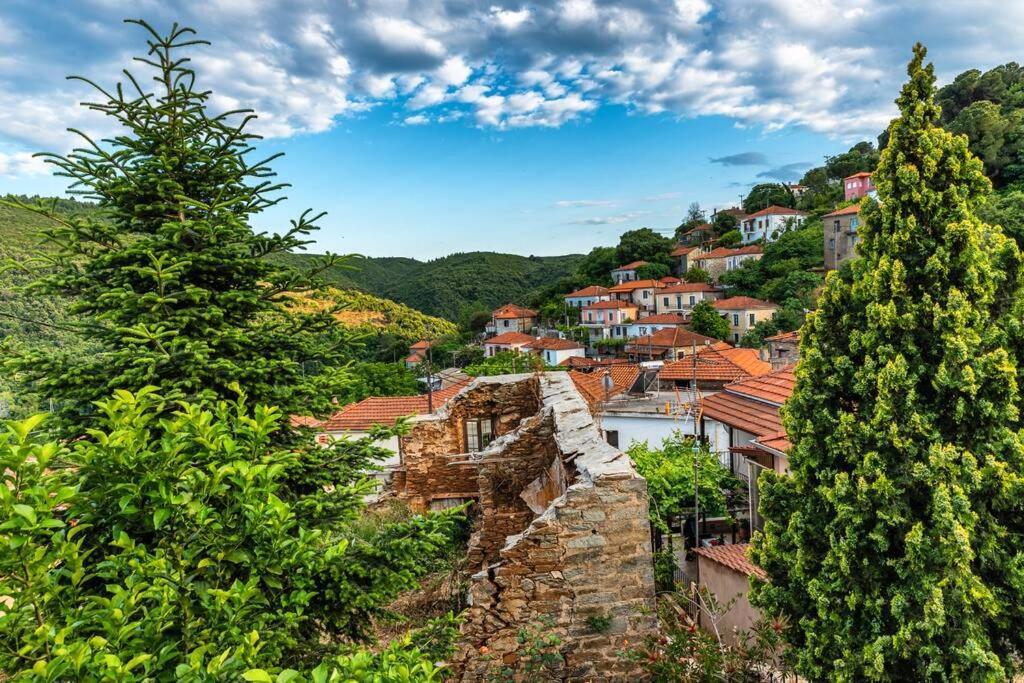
x=723, y=259
x=512, y=318
x=667, y=344
x=555, y=351
x=781, y=350
x=858, y=185
x=608, y=319
x=743, y=313
x=682, y=258
x=507, y=341
x=654, y=323
x=626, y=273
x=640, y=293
x=841, y=236
x=586, y=296
x=681, y=299
x=769, y=223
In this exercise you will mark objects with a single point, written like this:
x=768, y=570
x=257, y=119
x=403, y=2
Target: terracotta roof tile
x=737, y=303
x=755, y=417
x=554, y=344
x=385, y=410
x=774, y=387
x=633, y=265
x=670, y=338
x=776, y=211
x=734, y=556
x=860, y=174
x=778, y=442
x=592, y=290
x=663, y=319
x=793, y=336
x=637, y=284
x=591, y=384
x=712, y=364
x=726, y=252
x=845, y=211
x=598, y=305
x=514, y=311
x=510, y=339
x=689, y=288
x=683, y=251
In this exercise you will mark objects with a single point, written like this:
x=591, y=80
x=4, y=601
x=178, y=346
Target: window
x=853, y=223
x=693, y=299
x=832, y=244
x=479, y=433
x=646, y=293
x=736, y=319
x=736, y=337
x=612, y=437
x=666, y=302
x=835, y=225
x=590, y=316
x=506, y=323
x=752, y=320
x=679, y=301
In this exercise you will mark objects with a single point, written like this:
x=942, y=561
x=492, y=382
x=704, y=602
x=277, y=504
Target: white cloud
x=510, y=20
x=22, y=164
x=610, y=220
x=576, y=203
x=454, y=71
x=416, y=120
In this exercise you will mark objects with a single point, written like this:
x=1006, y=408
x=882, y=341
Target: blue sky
x=425, y=128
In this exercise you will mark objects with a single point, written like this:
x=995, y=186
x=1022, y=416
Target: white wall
x=638, y=427
x=554, y=357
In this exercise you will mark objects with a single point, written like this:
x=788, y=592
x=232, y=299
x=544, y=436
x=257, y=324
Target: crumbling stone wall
x=562, y=533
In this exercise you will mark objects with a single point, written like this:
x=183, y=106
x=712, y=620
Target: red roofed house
x=858, y=185
x=683, y=256
x=743, y=313
x=555, y=351
x=512, y=318
x=507, y=341
x=742, y=423
x=767, y=224
x=667, y=344
x=722, y=259
x=607, y=319
x=418, y=353
x=627, y=272
x=841, y=235
x=712, y=367
x=653, y=323
x=697, y=235
x=586, y=296
x=681, y=299
x=726, y=570
x=639, y=292
x=782, y=349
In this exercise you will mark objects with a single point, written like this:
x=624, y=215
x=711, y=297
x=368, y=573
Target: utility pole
x=430, y=378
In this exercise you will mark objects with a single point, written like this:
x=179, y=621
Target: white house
x=639, y=292
x=769, y=223
x=653, y=323
x=681, y=299
x=586, y=296
x=510, y=341
x=555, y=351
x=627, y=272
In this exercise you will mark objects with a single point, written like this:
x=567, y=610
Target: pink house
x=857, y=185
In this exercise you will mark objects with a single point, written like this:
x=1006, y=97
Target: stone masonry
x=562, y=539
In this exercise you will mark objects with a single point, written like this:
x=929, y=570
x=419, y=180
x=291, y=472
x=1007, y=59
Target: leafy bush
x=705, y=319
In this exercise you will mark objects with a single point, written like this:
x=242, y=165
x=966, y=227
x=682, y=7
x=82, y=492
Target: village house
x=711, y=368
x=680, y=299
x=726, y=570
x=638, y=292
x=682, y=258
x=555, y=351
x=586, y=296
x=512, y=318
x=797, y=189
x=769, y=223
x=654, y=323
x=670, y=280
x=724, y=259
x=743, y=313
x=858, y=185
x=781, y=349
x=697, y=235
x=607, y=319
x=841, y=236
x=507, y=341
x=667, y=344
x=627, y=273
x=418, y=353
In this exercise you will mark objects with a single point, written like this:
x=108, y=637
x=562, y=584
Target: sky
x=426, y=127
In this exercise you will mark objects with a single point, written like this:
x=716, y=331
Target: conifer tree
x=169, y=280
x=896, y=548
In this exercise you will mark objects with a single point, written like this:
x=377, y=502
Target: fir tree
x=169, y=279
x=896, y=548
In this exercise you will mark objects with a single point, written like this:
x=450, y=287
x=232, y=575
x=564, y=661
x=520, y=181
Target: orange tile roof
x=778, y=442
x=737, y=303
x=637, y=284
x=303, y=421
x=845, y=211
x=669, y=280
x=755, y=417
x=592, y=290
x=776, y=211
x=670, y=338
x=514, y=311
x=682, y=251
x=554, y=344
x=414, y=358
x=793, y=336
x=598, y=305
x=385, y=410
x=631, y=266
x=689, y=288
x=697, y=228
x=510, y=339
x=590, y=363
x=422, y=344
x=734, y=556
x=663, y=319
x=713, y=364
x=859, y=174
x=775, y=387
x=726, y=252
x=591, y=384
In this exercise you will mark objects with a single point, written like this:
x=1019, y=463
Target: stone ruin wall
x=562, y=537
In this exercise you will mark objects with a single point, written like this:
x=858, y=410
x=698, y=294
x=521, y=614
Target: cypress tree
x=168, y=279
x=896, y=548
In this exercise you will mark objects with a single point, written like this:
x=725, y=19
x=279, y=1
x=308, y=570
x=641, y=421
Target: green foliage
x=643, y=244
x=170, y=546
x=724, y=222
x=705, y=319
x=665, y=568
x=894, y=548
x=763, y=195
x=167, y=278
x=380, y=379
x=825, y=183
x=652, y=271
x=783, y=272
x=730, y=238
x=509, y=362
x=696, y=274
x=669, y=472
x=987, y=108
x=694, y=218
x=1006, y=209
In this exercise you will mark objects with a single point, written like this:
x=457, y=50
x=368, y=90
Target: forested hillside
x=455, y=286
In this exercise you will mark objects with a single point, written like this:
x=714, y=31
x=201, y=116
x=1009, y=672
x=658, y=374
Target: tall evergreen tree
x=896, y=548
x=169, y=280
